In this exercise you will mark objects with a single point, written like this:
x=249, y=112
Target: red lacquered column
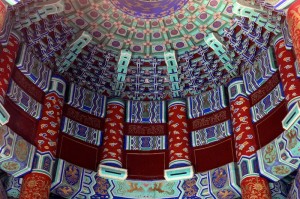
x=112, y=150
x=37, y=183
x=286, y=65
x=113, y=134
x=178, y=134
x=7, y=62
x=293, y=20
x=179, y=156
x=252, y=185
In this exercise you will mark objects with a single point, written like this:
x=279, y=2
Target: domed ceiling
x=149, y=8
x=147, y=28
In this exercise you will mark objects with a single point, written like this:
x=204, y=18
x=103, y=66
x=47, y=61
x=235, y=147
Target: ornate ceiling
x=147, y=28
x=178, y=25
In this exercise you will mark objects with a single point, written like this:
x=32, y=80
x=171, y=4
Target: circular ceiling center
x=149, y=8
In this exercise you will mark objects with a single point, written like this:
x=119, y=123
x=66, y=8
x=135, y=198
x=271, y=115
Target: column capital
x=277, y=39
x=58, y=85
x=16, y=35
x=172, y=102
x=236, y=88
x=117, y=101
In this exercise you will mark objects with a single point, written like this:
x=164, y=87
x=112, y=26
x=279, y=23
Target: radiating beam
x=122, y=67
x=82, y=39
x=214, y=41
x=172, y=67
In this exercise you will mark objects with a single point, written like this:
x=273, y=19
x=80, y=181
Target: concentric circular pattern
x=199, y=67
x=149, y=8
x=113, y=30
x=140, y=27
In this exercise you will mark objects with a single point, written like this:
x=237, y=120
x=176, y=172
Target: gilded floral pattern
x=255, y=188
x=35, y=186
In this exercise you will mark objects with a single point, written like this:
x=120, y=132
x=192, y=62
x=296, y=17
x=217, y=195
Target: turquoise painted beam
x=81, y=40
x=172, y=68
x=122, y=67
x=215, y=42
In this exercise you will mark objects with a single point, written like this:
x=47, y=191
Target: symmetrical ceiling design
x=147, y=29
x=117, y=26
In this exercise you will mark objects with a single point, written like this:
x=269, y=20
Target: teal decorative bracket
x=215, y=42
x=81, y=40
x=123, y=63
x=172, y=67
x=113, y=173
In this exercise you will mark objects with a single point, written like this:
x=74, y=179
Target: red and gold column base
x=35, y=186
x=255, y=188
